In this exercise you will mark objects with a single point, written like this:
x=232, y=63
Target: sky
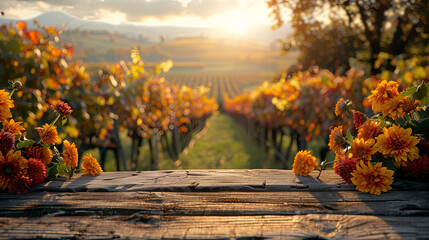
x=235, y=16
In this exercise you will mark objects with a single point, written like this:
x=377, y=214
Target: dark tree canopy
x=328, y=32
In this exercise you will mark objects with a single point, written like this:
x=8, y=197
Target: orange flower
x=341, y=107
x=5, y=105
x=371, y=179
x=393, y=108
x=38, y=152
x=12, y=166
x=370, y=130
x=410, y=105
x=336, y=140
x=90, y=166
x=362, y=149
x=399, y=143
x=48, y=134
x=13, y=127
x=384, y=91
x=70, y=154
x=304, y=163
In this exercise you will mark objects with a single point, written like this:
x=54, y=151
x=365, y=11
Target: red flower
x=344, y=166
x=417, y=168
x=358, y=119
x=36, y=171
x=62, y=107
x=7, y=141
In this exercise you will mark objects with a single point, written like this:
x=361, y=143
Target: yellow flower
x=304, y=163
x=393, y=108
x=90, y=166
x=13, y=127
x=336, y=140
x=362, y=149
x=373, y=179
x=370, y=130
x=384, y=91
x=399, y=143
x=70, y=154
x=5, y=105
x=12, y=166
x=48, y=135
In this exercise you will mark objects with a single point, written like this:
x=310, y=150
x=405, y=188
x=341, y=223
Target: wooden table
x=216, y=204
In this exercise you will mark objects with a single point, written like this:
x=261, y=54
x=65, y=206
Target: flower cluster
x=25, y=162
x=393, y=142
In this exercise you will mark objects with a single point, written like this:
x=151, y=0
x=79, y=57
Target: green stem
x=50, y=126
x=13, y=91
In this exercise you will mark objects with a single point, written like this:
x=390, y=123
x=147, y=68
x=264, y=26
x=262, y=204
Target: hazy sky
x=233, y=15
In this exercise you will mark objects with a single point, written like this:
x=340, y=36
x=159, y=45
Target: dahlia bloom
x=5, y=105
x=12, y=165
x=90, y=166
x=70, y=154
x=344, y=166
x=358, y=119
x=362, y=149
x=62, y=108
x=336, y=140
x=36, y=171
x=398, y=142
x=304, y=163
x=373, y=179
x=38, y=152
x=7, y=141
x=370, y=130
x=48, y=134
x=13, y=127
x=393, y=108
x=341, y=108
x=384, y=91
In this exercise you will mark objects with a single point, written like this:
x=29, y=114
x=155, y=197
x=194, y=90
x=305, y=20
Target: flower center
x=8, y=170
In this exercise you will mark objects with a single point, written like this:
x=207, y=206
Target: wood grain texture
x=214, y=204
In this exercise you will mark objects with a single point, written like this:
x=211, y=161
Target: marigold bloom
x=90, y=166
x=370, y=130
x=48, y=134
x=7, y=141
x=62, y=107
x=384, y=91
x=304, y=163
x=13, y=127
x=70, y=154
x=12, y=165
x=344, y=166
x=38, y=152
x=341, y=107
x=399, y=143
x=373, y=179
x=5, y=105
x=36, y=171
x=362, y=149
x=393, y=108
x=336, y=140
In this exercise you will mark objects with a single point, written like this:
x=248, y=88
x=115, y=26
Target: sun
x=236, y=22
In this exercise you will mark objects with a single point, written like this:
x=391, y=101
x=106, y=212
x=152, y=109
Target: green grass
x=225, y=145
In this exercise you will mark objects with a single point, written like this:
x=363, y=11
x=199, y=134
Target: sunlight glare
x=236, y=22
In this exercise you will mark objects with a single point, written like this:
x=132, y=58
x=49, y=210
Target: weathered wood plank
x=312, y=226
x=208, y=181
x=219, y=204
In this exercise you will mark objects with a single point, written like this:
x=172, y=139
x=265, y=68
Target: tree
x=398, y=27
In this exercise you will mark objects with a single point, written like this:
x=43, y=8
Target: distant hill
x=151, y=33
x=191, y=49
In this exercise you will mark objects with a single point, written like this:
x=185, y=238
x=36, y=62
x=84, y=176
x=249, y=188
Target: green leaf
x=421, y=92
x=421, y=127
x=409, y=91
x=24, y=144
x=349, y=136
x=52, y=172
x=64, y=121
x=71, y=173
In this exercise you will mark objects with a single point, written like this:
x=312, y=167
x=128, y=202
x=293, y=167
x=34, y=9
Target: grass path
x=223, y=144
